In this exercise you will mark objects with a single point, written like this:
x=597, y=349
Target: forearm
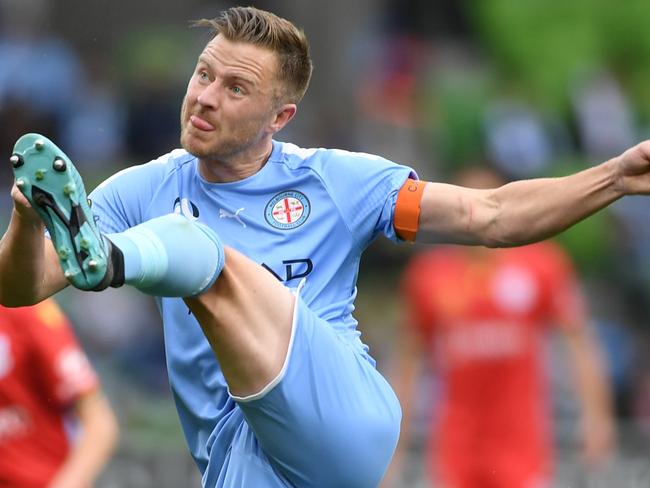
x=22, y=262
x=532, y=210
x=517, y=213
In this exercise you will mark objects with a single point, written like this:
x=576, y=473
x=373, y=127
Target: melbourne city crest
x=287, y=210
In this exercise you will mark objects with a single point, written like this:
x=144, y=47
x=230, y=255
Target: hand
x=633, y=170
x=23, y=208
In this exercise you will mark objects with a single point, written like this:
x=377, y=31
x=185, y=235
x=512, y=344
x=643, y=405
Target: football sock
x=170, y=256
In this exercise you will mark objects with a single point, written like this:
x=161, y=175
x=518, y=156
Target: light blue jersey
x=308, y=214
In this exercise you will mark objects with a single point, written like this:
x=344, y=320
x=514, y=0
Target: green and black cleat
x=51, y=183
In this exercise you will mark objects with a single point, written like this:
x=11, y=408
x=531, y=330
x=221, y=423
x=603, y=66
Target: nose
x=210, y=95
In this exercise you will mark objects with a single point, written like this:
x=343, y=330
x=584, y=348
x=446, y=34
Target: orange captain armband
x=407, y=209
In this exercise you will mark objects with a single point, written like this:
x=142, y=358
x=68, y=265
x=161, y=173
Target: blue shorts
x=328, y=420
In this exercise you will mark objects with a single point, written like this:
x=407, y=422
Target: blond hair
x=260, y=28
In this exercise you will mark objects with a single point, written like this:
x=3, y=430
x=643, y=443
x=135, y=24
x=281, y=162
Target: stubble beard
x=188, y=141
x=221, y=148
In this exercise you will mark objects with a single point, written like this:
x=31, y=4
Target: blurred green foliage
x=156, y=55
x=455, y=102
x=543, y=45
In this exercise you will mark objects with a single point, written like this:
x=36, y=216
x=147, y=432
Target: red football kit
x=42, y=372
x=482, y=314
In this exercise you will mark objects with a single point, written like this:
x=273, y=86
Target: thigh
x=245, y=465
x=330, y=419
x=246, y=317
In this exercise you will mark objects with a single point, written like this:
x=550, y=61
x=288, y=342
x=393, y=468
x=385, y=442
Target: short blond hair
x=264, y=29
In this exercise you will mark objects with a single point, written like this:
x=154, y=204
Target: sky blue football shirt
x=307, y=214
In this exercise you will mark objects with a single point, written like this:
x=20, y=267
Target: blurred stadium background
x=534, y=88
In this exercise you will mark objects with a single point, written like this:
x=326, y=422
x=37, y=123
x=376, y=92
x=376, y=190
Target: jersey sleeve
x=121, y=201
x=63, y=369
x=364, y=188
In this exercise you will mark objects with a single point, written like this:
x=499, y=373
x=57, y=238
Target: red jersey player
x=45, y=381
x=478, y=315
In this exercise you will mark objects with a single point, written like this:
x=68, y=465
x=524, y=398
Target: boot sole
x=52, y=185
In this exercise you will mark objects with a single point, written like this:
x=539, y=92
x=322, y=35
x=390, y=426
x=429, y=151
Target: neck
x=236, y=167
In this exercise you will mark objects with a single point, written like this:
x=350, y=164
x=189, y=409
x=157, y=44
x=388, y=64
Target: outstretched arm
x=529, y=210
x=29, y=269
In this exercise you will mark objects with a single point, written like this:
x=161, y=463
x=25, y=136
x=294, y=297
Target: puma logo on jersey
x=225, y=214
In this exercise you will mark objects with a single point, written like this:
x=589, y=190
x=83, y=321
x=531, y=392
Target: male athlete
x=271, y=381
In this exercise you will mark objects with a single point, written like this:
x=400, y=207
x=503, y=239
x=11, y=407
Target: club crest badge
x=287, y=210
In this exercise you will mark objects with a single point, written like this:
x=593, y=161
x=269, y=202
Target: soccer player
x=479, y=317
x=56, y=428
x=272, y=383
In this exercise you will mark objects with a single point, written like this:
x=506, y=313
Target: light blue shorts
x=328, y=420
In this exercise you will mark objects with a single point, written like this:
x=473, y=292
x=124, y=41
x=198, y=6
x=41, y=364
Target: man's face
x=230, y=102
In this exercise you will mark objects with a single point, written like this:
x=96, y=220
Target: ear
x=282, y=116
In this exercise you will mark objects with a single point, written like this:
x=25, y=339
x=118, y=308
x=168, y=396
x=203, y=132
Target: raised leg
x=246, y=316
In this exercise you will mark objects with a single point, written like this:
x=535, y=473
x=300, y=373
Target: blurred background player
x=56, y=428
x=479, y=317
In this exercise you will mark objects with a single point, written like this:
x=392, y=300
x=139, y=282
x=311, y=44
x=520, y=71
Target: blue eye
x=203, y=75
x=236, y=90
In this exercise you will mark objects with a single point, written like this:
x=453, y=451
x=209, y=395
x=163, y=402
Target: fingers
x=18, y=197
x=644, y=147
x=632, y=170
x=23, y=208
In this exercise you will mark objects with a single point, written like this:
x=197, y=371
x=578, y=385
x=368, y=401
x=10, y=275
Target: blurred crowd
x=524, y=87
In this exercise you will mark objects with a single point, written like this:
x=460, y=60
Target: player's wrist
x=614, y=175
x=26, y=218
